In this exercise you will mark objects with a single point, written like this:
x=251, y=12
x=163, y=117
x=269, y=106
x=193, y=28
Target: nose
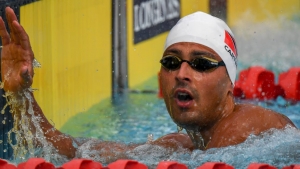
x=184, y=72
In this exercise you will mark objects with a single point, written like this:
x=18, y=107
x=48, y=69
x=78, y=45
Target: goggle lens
x=200, y=64
x=171, y=63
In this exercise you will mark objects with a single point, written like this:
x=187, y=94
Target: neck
x=228, y=107
x=226, y=110
x=202, y=136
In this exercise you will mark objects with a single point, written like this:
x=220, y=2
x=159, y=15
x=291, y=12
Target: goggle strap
x=221, y=63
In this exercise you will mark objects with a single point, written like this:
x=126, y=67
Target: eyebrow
x=193, y=53
x=197, y=53
x=173, y=51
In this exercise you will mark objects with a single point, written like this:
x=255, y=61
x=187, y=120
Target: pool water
x=274, y=45
x=271, y=44
x=130, y=121
x=143, y=114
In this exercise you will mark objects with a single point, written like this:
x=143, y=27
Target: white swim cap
x=209, y=31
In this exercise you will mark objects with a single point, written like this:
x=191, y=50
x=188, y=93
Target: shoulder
x=259, y=119
x=245, y=120
x=175, y=141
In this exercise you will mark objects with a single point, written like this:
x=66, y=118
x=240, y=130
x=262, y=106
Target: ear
x=230, y=84
x=159, y=77
x=230, y=89
x=159, y=73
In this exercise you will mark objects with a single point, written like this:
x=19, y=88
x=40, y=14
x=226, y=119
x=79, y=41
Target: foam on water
x=276, y=147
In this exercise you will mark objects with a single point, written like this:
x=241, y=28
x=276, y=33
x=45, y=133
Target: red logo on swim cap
x=230, y=42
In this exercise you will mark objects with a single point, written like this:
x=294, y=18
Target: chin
x=187, y=124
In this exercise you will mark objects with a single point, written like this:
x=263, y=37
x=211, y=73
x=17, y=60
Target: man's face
x=194, y=99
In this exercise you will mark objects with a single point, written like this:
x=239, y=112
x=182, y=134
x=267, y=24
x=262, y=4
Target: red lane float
x=259, y=83
x=290, y=83
x=255, y=82
x=39, y=163
x=82, y=164
x=126, y=164
x=171, y=165
x=36, y=163
x=260, y=166
x=292, y=167
x=215, y=165
x=5, y=165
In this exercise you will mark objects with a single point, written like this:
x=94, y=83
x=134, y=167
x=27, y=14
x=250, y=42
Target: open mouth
x=183, y=96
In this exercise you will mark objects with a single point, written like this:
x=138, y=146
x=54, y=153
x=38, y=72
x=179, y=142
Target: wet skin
x=210, y=106
x=210, y=91
x=17, y=74
x=211, y=109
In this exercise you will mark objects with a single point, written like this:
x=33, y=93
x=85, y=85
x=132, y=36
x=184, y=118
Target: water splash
x=36, y=64
x=28, y=144
x=271, y=43
x=24, y=143
x=276, y=147
x=24, y=137
x=197, y=139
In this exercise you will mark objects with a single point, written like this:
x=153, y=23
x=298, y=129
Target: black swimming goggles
x=201, y=64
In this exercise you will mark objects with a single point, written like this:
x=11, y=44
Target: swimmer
x=197, y=75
